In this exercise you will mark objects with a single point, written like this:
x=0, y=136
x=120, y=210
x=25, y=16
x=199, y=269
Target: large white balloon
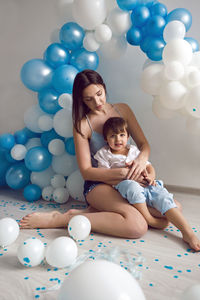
x=47, y=193
x=31, y=117
x=31, y=252
x=174, y=70
x=90, y=43
x=151, y=79
x=79, y=227
x=64, y=164
x=114, y=48
x=45, y=122
x=160, y=111
x=58, y=180
x=172, y=94
x=56, y=147
x=103, y=33
x=74, y=184
x=89, y=13
x=60, y=195
x=62, y=252
x=9, y=231
x=62, y=122
x=179, y=50
x=196, y=59
x=18, y=152
x=65, y=101
x=174, y=30
x=119, y=21
x=191, y=293
x=100, y=279
x=193, y=102
x=42, y=178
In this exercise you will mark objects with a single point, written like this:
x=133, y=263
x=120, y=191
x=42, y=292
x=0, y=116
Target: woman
x=108, y=212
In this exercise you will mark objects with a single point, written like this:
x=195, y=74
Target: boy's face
x=117, y=141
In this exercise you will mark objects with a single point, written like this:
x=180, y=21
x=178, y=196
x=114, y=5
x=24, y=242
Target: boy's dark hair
x=116, y=124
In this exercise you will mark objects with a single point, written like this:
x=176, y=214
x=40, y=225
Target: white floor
x=167, y=269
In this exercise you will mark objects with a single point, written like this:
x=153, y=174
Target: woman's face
x=94, y=97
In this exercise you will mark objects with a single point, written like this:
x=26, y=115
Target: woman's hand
x=136, y=167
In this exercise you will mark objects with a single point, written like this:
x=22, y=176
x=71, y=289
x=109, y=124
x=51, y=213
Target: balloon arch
x=40, y=158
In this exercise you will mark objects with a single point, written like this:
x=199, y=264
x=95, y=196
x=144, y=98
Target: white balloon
x=62, y=122
x=191, y=293
x=45, y=123
x=148, y=62
x=9, y=231
x=74, y=184
x=103, y=33
x=193, y=125
x=58, y=180
x=62, y=252
x=193, y=78
x=31, y=252
x=114, y=48
x=33, y=142
x=79, y=228
x=174, y=70
x=89, y=13
x=174, y=30
x=42, y=178
x=119, y=21
x=193, y=102
x=56, y=147
x=18, y=152
x=179, y=50
x=90, y=43
x=160, y=111
x=172, y=94
x=31, y=117
x=196, y=59
x=60, y=195
x=110, y=4
x=65, y=101
x=47, y=193
x=100, y=279
x=151, y=79
x=64, y=164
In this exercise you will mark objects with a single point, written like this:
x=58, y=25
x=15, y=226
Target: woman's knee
x=136, y=225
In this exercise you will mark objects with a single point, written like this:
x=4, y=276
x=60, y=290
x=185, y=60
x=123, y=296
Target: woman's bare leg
x=114, y=216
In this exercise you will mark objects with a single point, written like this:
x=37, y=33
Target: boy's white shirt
x=107, y=159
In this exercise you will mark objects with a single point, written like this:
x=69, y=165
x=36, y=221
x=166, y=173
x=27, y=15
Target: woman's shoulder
x=85, y=128
x=123, y=108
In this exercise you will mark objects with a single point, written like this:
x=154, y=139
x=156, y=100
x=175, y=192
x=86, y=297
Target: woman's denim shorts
x=89, y=186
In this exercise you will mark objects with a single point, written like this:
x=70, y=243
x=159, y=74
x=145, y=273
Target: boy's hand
x=149, y=178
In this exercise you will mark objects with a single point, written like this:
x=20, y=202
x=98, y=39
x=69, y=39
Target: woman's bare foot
x=159, y=223
x=192, y=240
x=53, y=219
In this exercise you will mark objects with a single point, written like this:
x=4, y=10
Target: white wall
x=26, y=28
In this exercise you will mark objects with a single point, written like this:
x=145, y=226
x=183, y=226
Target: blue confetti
x=168, y=267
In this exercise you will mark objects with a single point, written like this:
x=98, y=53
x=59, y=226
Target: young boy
x=118, y=153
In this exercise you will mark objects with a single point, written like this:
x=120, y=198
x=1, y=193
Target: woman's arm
x=139, y=164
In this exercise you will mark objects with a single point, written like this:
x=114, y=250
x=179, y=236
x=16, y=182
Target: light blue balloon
x=48, y=136
x=156, y=49
x=180, y=14
x=7, y=141
x=134, y=36
x=158, y=9
x=72, y=35
x=32, y=192
x=69, y=146
x=63, y=78
x=21, y=136
x=38, y=159
x=36, y=74
x=83, y=59
x=128, y=4
x=140, y=15
x=56, y=55
x=145, y=43
x=156, y=25
x=4, y=165
x=17, y=176
x=194, y=44
x=48, y=101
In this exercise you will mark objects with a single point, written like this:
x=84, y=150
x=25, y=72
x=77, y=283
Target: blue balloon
x=83, y=59
x=38, y=159
x=194, y=44
x=156, y=25
x=127, y=4
x=21, y=136
x=56, y=55
x=31, y=134
x=17, y=176
x=69, y=146
x=36, y=74
x=4, y=165
x=32, y=192
x=156, y=49
x=134, y=36
x=48, y=101
x=7, y=141
x=180, y=14
x=158, y=9
x=140, y=15
x=63, y=78
x=145, y=43
x=9, y=158
x=47, y=136
x=72, y=35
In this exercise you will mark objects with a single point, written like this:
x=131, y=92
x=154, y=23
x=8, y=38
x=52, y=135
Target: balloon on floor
x=40, y=158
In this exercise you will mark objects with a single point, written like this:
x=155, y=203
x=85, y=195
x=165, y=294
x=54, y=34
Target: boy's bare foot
x=53, y=219
x=159, y=223
x=192, y=240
